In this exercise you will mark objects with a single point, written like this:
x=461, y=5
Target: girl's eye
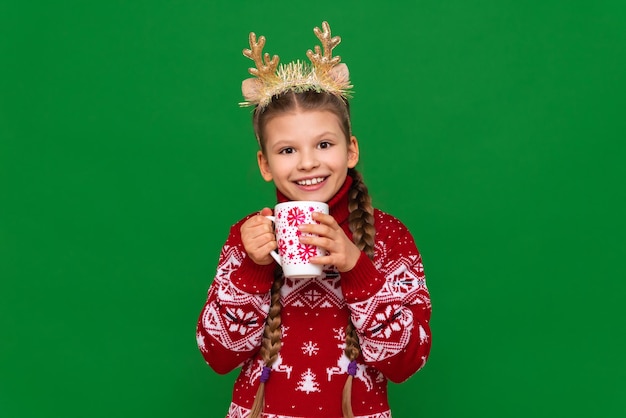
x=325, y=144
x=287, y=150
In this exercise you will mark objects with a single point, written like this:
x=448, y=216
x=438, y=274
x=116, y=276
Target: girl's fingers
x=260, y=253
x=323, y=260
x=318, y=241
x=268, y=247
x=320, y=230
x=256, y=227
x=265, y=212
x=324, y=219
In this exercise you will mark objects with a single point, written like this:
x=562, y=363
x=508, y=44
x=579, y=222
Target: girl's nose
x=308, y=161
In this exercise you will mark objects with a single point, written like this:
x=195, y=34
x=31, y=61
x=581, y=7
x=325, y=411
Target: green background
x=494, y=129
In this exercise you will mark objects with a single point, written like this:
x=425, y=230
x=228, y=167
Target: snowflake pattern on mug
x=295, y=217
x=306, y=251
x=289, y=216
x=282, y=247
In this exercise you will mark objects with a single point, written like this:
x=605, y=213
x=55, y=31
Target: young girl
x=324, y=346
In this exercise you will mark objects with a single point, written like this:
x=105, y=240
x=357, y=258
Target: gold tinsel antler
x=265, y=68
x=324, y=62
x=325, y=74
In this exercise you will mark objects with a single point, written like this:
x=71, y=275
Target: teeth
x=310, y=182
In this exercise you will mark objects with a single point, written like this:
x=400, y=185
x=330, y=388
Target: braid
x=361, y=219
x=361, y=223
x=271, y=339
x=352, y=351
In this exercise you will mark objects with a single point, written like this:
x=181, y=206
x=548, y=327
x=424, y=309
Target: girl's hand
x=342, y=253
x=257, y=235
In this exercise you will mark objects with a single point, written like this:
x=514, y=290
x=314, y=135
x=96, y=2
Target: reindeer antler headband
x=325, y=73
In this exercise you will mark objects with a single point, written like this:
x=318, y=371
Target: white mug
x=292, y=255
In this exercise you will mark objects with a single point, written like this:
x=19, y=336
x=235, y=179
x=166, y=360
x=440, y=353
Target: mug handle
x=274, y=253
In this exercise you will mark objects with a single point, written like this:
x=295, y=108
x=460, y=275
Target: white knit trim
x=236, y=411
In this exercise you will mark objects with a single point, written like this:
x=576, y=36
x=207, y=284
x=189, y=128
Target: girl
x=330, y=342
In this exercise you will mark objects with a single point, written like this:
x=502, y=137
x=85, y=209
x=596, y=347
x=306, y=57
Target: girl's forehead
x=301, y=116
x=303, y=124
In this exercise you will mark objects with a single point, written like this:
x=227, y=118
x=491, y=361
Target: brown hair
x=361, y=223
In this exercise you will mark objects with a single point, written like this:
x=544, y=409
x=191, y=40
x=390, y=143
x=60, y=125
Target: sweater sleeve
x=230, y=326
x=389, y=302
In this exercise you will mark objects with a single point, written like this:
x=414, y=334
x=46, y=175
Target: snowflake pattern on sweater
x=386, y=297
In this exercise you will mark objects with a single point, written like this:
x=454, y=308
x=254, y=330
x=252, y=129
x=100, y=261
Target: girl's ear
x=264, y=166
x=353, y=152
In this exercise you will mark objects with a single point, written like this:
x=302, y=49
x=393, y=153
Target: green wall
x=494, y=129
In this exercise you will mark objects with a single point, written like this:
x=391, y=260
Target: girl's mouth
x=311, y=182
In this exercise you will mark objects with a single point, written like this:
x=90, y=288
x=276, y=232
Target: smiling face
x=306, y=154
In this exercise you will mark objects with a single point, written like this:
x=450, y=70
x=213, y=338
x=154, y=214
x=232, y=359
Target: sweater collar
x=338, y=204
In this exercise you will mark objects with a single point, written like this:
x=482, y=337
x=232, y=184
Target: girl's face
x=307, y=155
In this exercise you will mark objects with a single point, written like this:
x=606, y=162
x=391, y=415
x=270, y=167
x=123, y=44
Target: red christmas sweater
x=387, y=299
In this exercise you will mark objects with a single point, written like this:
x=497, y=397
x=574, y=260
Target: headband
x=325, y=73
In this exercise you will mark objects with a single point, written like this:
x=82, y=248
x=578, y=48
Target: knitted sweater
x=390, y=308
